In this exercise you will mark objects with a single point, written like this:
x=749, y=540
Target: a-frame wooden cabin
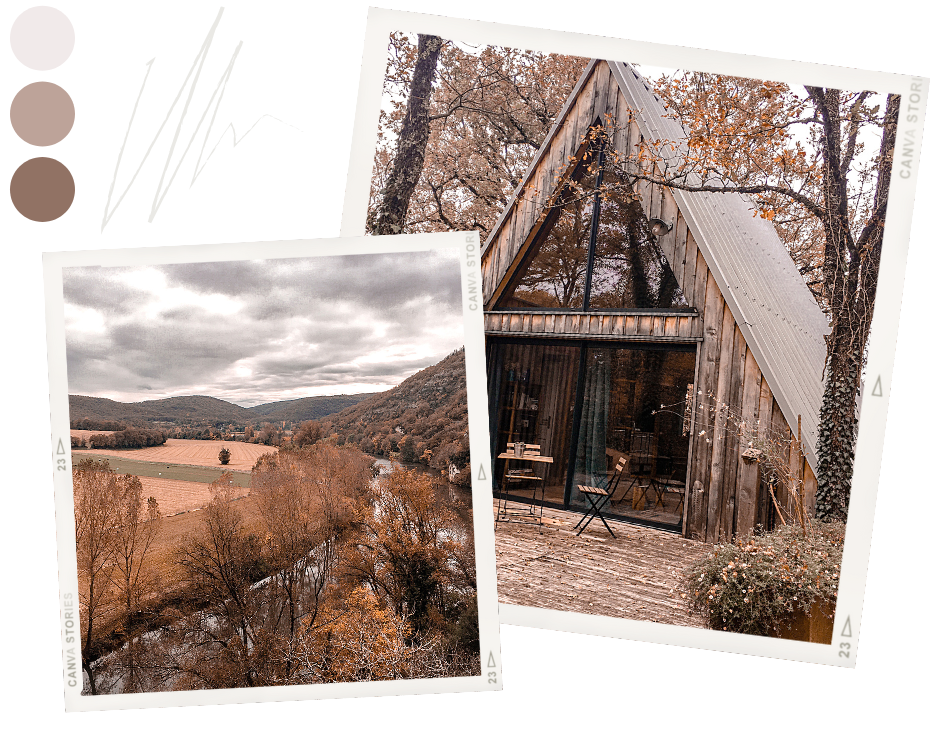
x=678, y=351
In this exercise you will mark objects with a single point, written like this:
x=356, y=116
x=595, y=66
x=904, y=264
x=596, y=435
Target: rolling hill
x=203, y=410
x=424, y=418
x=312, y=407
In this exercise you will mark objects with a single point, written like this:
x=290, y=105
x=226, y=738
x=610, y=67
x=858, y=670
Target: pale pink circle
x=42, y=38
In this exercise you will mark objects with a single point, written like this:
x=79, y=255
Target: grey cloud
x=302, y=324
x=94, y=288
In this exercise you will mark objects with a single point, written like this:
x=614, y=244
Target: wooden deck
x=634, y=576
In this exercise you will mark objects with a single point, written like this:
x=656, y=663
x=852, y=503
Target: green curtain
x=591, y=466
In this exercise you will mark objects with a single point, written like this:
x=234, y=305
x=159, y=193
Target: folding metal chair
x=642, y=466
x=664, y=483
x=598, y=497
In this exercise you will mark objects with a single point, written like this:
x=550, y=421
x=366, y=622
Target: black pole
x=594, y=222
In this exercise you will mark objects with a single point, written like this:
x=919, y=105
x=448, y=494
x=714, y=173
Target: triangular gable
x=630, y=270
x=782, y=324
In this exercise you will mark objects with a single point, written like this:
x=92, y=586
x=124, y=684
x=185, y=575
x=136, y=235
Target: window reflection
x=531, y=392
x=634, y=407
x=556, y=272
x=630, y=270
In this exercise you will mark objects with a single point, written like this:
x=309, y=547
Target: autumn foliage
x=490, y=110
x=115, y=526
x=814, y=161
x=333, y=576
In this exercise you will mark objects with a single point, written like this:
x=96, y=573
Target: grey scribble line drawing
x=235, y=140
x=194, y=74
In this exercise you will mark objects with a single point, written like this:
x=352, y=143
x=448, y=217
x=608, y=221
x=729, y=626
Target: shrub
x=224, y=456
x=307, y=433
x=463, y=477
x=131, y=437
x=407, y=449
x=755, y=584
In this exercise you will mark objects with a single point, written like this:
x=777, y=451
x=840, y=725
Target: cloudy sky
x=259, y=331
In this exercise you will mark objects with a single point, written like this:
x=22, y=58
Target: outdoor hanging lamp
x=658, y=227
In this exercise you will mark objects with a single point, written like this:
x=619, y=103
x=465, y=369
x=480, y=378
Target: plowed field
x=195, y=453
x=175, y=496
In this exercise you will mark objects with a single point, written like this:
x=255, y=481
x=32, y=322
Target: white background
x=301, y=65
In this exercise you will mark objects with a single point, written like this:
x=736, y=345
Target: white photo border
x=882, y=343
x=467, y=246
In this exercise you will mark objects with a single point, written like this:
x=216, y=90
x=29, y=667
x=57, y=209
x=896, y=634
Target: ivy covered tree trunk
x=837, y=433
x=850, y=276
x=390, y=215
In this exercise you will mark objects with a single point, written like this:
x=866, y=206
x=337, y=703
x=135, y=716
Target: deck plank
x=635, y=576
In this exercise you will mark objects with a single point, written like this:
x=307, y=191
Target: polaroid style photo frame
x=214, y=553
x=665, y=307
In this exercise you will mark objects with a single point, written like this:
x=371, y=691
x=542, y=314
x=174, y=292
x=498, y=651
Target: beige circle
x=42, y=38
x=42, y=114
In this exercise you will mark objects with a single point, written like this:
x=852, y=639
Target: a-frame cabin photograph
x=679, y=270
x=672, y=330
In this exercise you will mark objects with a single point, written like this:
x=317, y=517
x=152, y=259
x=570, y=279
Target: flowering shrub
x=755, y=584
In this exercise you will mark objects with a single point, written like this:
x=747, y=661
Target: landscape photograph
x=679, y=271
x=271, y=474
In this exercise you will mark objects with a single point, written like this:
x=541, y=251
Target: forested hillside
x=304, y=409
x=424, y=419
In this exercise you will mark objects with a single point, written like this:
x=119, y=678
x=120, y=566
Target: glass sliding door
x=587, y=406
x=531, y=400
x=635, y=407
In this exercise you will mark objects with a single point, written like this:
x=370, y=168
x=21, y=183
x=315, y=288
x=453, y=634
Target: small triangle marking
x=491, y=660
x=878, y=391
x=481, y=471
x=846, y=630
x=59, y=448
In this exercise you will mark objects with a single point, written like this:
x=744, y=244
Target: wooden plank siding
x=706, y=385
x=764, y=424
x=727, y=520
x=591, y=326
x=717, y=462
x=747, y=478
x=725, y=494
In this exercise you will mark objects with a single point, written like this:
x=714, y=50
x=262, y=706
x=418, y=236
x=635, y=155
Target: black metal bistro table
x=522, y=516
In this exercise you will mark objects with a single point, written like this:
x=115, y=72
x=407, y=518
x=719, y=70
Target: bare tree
x=95, y=503
x=488, y=113
x=138, y=524
x=390, y=214
x=218, y=646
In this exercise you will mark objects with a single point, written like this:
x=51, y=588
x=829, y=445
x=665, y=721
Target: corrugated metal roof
x=781, y=322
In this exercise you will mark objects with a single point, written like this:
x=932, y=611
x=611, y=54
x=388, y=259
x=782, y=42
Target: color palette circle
x=42, y=114
x=42, y=38
x=42, y=189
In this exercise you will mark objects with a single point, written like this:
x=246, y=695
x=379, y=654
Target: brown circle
x=42, y=189
x=42, y=114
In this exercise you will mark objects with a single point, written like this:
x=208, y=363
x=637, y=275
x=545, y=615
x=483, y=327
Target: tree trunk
x=390, y=215
x=837, y=433
x=87, y=644
x=852, y=271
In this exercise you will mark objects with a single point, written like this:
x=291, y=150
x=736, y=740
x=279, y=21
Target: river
x=454, y=494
